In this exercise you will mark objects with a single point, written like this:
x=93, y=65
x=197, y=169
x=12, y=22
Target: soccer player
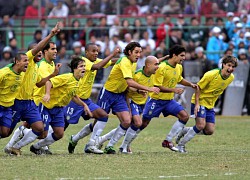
x=24, y=107
x=210, y=87
x=112, y=95
x=137, y=101
x=11, y=78
x=74, y=111
x=166, y=79
x=59, y=91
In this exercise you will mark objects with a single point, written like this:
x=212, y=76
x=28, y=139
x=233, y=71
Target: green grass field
x=224, y=155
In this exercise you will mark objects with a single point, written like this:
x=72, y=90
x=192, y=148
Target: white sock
x=50, y=130
x=27, y=138
x=117, y=135
x=187, y=137
x=129, y=136
x=97, y=130
x=135, y=136
x=44, y=142
x=107, y=136
x=176, y=128
x=81, y=134
x=16, y=136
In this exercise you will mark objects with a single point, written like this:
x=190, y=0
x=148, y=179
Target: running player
x=73, y=111
x=112, y=96
x=166, y=78
x=11, y=78
x=210, y=87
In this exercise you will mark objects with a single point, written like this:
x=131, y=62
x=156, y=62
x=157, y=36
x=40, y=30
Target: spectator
x=114, y=42
x=173, y=7
x=102, y=31
x=37, y=37
x=75, y=31
x=8, y=32
x=209, y=23
x=195, y=34
x=115, y=28
x=214, y=47
x=33, y=11
x=87, y=32
x=82, y=7
x=150, y=26
x=175, y=37
x=161, y=31
x=102, y=6
x=155, y=6
x=63, y=58
x=244, y=6
x=10, y=8
x=60, y=10
x=132, y=9
x=227, y=5
x=147, y=41
x=125, y=28
x=62, y=39
x=7, y=57
x=13, y=46
x=206, y=7
x=216, y=9
x=201, y=57
x=137, y=32
x=43, y=26
x=181, y=24
x=141, y=59
x=247, y=40
x=190, y=7
x=77, y=48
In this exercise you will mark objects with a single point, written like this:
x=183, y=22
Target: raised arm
x=106, y=60
x=43, y=43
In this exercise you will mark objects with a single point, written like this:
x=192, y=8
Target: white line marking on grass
x=193, y=175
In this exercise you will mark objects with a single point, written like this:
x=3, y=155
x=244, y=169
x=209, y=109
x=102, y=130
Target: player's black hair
x=75, y=60
x=176, y=49
x=130, y=47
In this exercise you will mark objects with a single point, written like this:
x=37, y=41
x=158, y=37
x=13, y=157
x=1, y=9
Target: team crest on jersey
x=174, y=72
x=150, y=112
x=17, y=78
x=68, y=118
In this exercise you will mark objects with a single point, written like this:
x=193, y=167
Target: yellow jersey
x=212, y=85
x=9, y=85
x=167, y=76
x=123, y=69
x=86, y=83
x=29, y=80
x=65, y=86
x=144, y=80
x=44, y=70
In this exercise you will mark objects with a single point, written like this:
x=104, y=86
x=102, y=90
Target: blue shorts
x=154, y=108
x=208, y=114
x=26, y=110
x=116, y=101
x=6, y=116
x=73, y=111
x=53, y=117
x=136, y=109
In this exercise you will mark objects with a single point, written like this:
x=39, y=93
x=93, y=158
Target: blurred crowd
x=208, y=41
x=63, y=8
